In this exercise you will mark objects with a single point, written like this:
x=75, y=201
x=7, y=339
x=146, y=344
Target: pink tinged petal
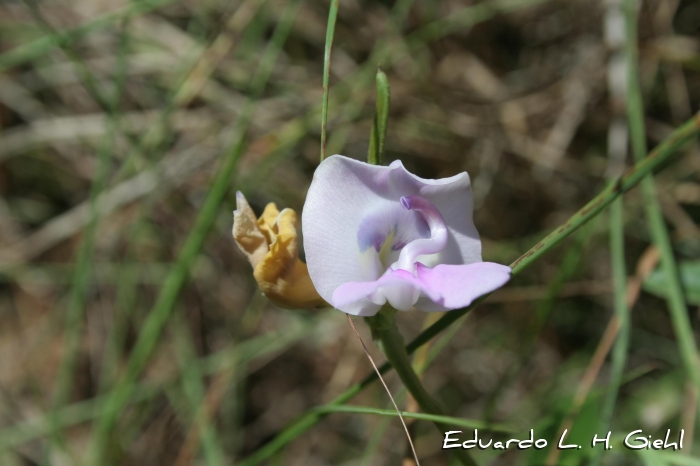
x=397, y=287
x=438, y=233
x=459, y=285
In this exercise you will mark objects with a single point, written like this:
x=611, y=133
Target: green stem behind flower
x=330, y=32
x=392, y=344
x=377, y=137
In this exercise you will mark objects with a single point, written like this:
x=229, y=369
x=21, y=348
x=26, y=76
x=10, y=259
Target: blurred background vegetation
x=132, y=329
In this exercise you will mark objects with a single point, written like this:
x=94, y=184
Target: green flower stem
x=392, y=344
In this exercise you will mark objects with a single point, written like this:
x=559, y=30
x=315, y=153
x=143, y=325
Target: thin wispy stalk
x=618, y=136
x=388, y=392
x=195, y=392
x=391, y=341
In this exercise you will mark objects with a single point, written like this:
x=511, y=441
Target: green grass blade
x=330, y=32
x=81, y=279
x=195, y=394
x=568, y=266
x=467, y=18
x=377, y=137
x=619, y=351
x=689, y=271
x=635, y=113
x=454, y=421
x=162, y=309
x=374, y=442
x=250, y=350
x=39, y=47
x=661, y=154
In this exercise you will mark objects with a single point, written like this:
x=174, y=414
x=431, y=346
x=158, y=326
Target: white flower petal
x=345, y=193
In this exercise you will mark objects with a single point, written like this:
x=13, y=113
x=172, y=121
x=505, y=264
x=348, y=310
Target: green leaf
x=657, y=283
x=381, y=120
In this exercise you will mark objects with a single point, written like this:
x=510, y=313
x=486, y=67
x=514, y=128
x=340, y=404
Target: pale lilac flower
x=376, y=234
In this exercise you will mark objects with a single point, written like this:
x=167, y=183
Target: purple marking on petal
x=369, y=236
x=398, y=245
x=438, y=232
x=379, y=224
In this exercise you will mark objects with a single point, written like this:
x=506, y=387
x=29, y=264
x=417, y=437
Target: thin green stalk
x=353, y=91
x=81, y=278
x=39, y=47
x=392, y=344
x=83, y=269
x=75, y=312
x=440, y=419
x=468, y=17
x=250, y=350
x=156, y=133
x=619, y=352
x=88, y=78
x=151, y=144
x=567, y=267
x=127, y=283
x=661, y=154
x=675, y=297
x=330, y=32
x=195, y=394
x=375, y=440
x=162, y=309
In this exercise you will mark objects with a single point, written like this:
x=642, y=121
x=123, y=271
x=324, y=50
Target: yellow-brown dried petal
x=281, y=275
x=267, y=222
x=247, y=234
